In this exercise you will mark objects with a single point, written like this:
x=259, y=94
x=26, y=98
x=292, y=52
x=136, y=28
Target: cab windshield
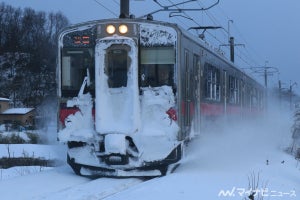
x=117, y=65
x=74, y=64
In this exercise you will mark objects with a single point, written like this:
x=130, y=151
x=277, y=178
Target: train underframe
x=97, y=163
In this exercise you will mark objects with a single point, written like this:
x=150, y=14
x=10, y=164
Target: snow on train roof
x=157, y=34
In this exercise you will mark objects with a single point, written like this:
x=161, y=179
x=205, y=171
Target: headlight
x=123, y=29
x=110, y=29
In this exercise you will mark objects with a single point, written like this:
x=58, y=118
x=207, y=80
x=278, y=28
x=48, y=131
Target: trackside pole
x=124, y=8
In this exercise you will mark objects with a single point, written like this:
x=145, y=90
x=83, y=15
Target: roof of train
x=204, y=44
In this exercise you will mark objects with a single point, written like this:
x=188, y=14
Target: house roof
x=17, y=111
x=4, y=99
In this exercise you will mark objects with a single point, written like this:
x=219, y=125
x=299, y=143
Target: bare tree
x=29, y=41
x=255, y=193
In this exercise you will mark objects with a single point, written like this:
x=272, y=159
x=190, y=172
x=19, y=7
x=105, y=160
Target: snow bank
x=21, y=135
x=21, y=171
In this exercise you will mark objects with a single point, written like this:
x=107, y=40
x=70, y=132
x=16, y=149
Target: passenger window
x=234, y=91
x=212, y=83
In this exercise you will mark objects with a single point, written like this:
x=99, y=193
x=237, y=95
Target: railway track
x=96, y=189
x=61, y=183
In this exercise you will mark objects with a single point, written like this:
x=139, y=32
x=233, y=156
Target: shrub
x=34, y=138
x=25, y=161
x=297, y=156
x=15, y=138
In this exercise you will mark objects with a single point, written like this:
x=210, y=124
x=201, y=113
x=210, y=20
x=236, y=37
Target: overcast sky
x=269, y=29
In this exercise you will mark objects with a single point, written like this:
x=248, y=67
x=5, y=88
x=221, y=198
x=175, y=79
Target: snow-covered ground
x=223, y=162
x=49, y=152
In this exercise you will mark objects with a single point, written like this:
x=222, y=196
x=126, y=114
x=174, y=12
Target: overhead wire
x=248, y=46
x=117, y=2
x=213, y=19
x=215, y=22
x=239, y=32
x=107, y=9
x=243, y=55
x=184, y=24
x=188, y=16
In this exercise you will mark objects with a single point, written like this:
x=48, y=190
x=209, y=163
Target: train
x=132, y=92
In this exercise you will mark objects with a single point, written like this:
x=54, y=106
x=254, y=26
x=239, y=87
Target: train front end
x=122, y=121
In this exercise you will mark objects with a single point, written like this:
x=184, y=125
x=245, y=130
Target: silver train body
x=132, y=92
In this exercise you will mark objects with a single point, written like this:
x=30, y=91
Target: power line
x=188, y=16
x=109, y=10
x=212, y=18
x=215, y=22
x=244, y=55
x=117, y=2
x=248, y=46
x=183, y=13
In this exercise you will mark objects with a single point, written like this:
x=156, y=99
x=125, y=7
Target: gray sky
x=269, y=29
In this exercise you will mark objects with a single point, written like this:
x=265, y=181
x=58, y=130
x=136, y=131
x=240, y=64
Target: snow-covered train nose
x=115, y=143
x=118, y=148
x=115, y=149
x=117, y=95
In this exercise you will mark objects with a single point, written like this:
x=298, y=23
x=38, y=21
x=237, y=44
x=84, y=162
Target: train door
x=196, y=79
x=187, y=95
x=225, y=91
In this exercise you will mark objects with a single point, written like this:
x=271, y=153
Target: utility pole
x=266, y=74
x=124, y=8
x=266, y=71
x=232, y=45
x=291, y=93
x=266, y=77
x=280, y=89
x=231, y=42
x=229, y=21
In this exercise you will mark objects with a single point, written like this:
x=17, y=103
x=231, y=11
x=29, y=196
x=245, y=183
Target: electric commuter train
x=133, y=91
